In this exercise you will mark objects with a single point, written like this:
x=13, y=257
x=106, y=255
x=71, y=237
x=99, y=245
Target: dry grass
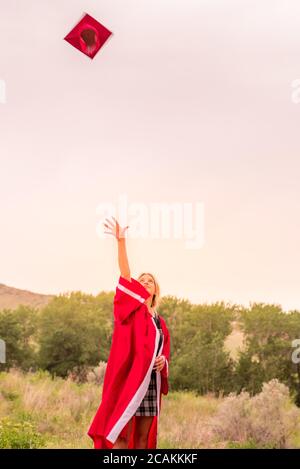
x=60, y=408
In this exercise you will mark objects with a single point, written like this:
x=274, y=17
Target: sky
x=188, y=102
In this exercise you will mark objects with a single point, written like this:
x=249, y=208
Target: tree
x=74, y=331
x=17, y=329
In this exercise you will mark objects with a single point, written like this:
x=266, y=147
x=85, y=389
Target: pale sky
x=189, y=101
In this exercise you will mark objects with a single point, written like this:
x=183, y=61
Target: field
x=38, y=411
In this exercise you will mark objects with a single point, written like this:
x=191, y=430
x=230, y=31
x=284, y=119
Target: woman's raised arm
x=119, y=233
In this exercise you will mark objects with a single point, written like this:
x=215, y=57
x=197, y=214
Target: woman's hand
x=118, y=232
x=115, y=229
x=159, y=363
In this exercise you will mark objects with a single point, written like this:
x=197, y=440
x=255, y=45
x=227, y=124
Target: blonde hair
x=156, y=299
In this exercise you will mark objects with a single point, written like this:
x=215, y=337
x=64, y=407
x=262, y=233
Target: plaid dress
x=148, y=406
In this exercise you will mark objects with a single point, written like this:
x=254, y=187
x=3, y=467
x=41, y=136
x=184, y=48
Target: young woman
x=138, y=364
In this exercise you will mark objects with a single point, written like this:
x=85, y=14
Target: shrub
x=268, y=419
x=88, y=374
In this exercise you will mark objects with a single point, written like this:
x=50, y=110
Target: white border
x=131, y=293
x=158, y=375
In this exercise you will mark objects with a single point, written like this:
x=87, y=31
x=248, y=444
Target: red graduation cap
x=88, y=36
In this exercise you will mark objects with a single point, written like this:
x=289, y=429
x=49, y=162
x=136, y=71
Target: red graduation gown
x=128, y=371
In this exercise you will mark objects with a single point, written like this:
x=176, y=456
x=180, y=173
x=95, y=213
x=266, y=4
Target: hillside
x=11, y=297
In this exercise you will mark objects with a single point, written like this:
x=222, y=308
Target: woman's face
x=148, y=282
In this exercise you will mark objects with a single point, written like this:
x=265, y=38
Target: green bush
x=19, y=435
